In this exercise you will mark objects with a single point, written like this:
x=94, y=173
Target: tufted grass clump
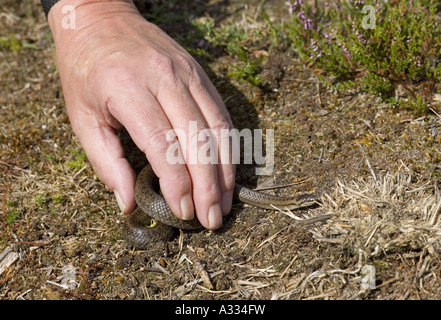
x=376, y=45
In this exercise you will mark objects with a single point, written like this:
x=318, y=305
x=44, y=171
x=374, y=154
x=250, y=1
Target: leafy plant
x=377, y=44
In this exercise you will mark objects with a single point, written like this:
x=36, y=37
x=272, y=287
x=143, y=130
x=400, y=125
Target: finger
x=184, y=115
x=217, y=117
x=105, y=152
x=148, y=126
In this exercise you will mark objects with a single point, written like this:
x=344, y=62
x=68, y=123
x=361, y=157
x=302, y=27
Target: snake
x=154, y=221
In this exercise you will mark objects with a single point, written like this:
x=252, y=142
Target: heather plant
x=374, y=44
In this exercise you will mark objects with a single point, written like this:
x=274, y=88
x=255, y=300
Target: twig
x=78, y=173
x=319, y=94
x=211, y=275
x=57, y=284
x=158, y=266
x=299, y=80
x=38, y=243
x=289, y=266
x=6, y=278
x=280, y=186
x=435, y=112
x=151, y=269
x=368, y=164
x=3, y=218
x=276, y=187
x=372, y=234
x=303, y=222
x=21, y=296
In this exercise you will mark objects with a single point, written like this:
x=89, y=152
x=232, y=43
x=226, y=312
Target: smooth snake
x=153, y=220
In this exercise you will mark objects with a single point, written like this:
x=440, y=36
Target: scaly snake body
x=151, y=205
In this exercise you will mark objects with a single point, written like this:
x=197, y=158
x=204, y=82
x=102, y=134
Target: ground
x=376, y=168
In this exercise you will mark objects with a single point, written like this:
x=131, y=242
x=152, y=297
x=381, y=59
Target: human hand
x=118, y=70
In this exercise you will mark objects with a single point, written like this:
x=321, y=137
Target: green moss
x=78, y=161
x=40, y=199
x=11, y=42
x=12, y=216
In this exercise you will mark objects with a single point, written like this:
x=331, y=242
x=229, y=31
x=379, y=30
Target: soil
x=376, y=167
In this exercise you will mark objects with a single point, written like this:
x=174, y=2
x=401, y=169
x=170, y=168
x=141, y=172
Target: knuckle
x=196, y=83
x=220, y=125
x=198, y=79
x=185, y=64
x=210, y=192
x=202, y=142
x=179, y=181
x=162, y=63
x=199, y=132
x=159, y=139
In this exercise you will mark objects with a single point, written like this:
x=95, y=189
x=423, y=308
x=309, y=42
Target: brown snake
x=139, y=231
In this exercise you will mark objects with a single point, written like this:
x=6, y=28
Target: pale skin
x=118, y=70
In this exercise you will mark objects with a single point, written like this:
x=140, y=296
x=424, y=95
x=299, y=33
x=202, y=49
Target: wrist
x=67, y=17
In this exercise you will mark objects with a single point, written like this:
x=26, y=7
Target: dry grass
x=389, y=222
x=388, y=215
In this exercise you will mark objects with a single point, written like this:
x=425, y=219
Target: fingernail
x=121, y=204
x=214, y=217
x=187, y=209
x=227, y=200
